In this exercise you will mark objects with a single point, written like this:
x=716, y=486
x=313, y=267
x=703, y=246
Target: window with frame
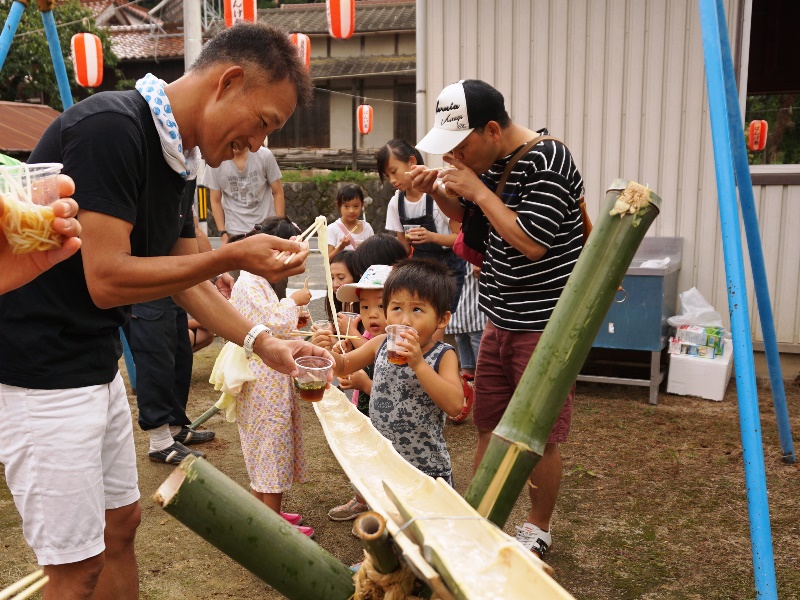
x=773, y=80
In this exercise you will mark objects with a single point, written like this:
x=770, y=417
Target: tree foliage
x=783, y=136
x=28, y=70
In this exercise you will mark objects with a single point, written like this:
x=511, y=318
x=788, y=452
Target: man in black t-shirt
x=66, y=440
x=533, y=243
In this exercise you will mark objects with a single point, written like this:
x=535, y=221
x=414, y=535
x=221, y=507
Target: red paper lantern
x=757, y=138
x=341, y=18
x=239, y=10
x=303, y=43
x=364, y=118
x=87, y=59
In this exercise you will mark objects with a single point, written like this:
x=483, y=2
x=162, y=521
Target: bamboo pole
x=204, y=417
x=518, y=441
x=225, y=515
x=370, y=528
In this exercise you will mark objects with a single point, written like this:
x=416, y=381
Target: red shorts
x=502, y=358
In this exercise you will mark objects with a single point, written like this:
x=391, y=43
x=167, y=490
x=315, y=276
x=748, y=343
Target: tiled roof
x=362, y=66
x=21, y=125
x=131, y=43
x=131, y=12
x=370, y=17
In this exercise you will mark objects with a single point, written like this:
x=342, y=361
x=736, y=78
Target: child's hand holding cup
x=394, y=335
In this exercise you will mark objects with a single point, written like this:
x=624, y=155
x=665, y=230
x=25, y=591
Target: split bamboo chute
x=436, y=532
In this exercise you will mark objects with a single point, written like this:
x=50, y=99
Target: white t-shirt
x=336, y=231
x=414, y=210
x=246, y=195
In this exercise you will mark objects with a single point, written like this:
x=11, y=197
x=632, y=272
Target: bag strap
x=515, y=159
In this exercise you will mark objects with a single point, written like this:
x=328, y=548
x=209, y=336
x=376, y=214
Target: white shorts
x=68, y=457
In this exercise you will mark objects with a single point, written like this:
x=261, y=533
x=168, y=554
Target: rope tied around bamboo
x=374, y=585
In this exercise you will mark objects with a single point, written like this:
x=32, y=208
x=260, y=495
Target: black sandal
x=173, y=455
x=188, y=436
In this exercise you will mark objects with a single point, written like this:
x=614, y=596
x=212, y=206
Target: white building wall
x=622, y=83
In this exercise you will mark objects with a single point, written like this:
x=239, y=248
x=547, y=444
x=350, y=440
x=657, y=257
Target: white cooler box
x=702, y=377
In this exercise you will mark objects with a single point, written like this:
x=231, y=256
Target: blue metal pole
x=747, y=202
x=9, y=29
x=749, y=424
x=129, y=364
x=58, y=59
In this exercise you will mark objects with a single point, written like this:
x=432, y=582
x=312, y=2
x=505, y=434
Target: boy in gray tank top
x=409, y=402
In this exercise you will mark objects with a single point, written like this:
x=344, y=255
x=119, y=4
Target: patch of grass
x=302, y=176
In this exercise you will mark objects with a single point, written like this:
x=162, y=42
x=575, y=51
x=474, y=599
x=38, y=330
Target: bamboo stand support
x=519, y=439
x=225, y=515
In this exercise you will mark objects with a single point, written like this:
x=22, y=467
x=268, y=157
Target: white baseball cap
x=460, y=108
x=372, y=279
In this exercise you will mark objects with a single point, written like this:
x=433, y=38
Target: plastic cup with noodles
x=28, y=192
x=394, y=334
x=312, y=380
x=36, y=183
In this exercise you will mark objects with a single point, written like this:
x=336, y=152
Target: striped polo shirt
x=544, y=189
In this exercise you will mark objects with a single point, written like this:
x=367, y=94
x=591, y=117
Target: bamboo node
x=634, y=197
x=372, y=585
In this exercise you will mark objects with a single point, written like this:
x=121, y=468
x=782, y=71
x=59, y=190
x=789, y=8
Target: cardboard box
x=693, y=376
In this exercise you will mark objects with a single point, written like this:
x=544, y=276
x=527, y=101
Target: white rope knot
x=372, y=585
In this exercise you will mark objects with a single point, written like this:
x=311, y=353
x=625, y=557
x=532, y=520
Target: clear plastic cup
x=407, y=228
x=303, y=317
x=36, y=183
x=27, y=219
x=323, y=324
x=312, y=380
x=394, y=333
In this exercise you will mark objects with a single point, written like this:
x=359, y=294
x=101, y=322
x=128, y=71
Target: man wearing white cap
x=532, y=235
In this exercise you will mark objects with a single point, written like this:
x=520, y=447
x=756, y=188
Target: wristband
x=223, y=232
x=214, y=279
x=250, y=338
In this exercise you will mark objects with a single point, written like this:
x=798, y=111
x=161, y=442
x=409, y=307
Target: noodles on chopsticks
x=28, y=227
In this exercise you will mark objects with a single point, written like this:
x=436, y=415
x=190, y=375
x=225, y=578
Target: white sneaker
x=534, y=539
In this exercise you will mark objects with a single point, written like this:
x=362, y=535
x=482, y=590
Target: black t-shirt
x=52, y=335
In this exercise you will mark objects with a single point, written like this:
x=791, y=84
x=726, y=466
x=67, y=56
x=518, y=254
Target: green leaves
x=28, y=70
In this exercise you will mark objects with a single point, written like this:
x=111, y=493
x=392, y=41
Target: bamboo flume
x=518, y=441
x=225, y=515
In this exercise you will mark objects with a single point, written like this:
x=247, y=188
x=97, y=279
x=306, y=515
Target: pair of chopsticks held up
x=303, y=237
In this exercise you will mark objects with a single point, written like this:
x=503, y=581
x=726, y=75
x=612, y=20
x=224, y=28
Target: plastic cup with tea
x=394, y=334
x=303, y=317
x=312, y=380
x=407, y=229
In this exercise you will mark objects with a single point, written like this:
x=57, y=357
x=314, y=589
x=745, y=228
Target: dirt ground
x=652, y=503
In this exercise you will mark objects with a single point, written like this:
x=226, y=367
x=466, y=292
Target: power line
x=24, y=33
x=365, y=98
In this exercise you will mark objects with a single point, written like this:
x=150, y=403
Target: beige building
x=622, y=83
x=377, y=62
